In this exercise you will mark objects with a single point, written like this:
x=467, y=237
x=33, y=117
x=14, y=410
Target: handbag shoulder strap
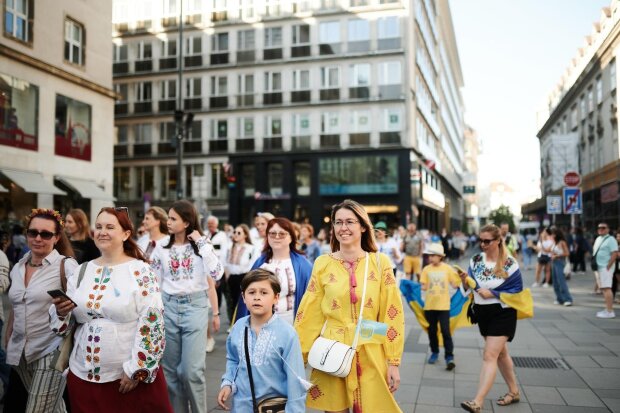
x=81, y=275
x=249, y=365
x=63, y=275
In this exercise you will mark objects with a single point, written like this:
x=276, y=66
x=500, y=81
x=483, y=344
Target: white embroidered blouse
x=181, y=271
x=120, y=322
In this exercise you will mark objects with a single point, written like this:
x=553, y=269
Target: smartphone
x=459, y=269
x=60, y=293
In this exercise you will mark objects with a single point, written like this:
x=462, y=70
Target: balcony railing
x=244, y=144
x=272, y=143
x=389, y=138
x=142, y=149
x=300, y=96
x=167, y=105
x=359, y=139
x=330, y=141
x=193, y=146
x=358, y=47
x=120, y=68
x=329, y=94
x=391, y=92
x=219, y=145
x=362, y=92
x=300, y=51
x=219, y=58
x=167, y=63
x=165, y=148
x=273, y=98
x=272, y=54
x=193, y=61
x=192, y=103
x=144, y=65
x=245, y=100
x=245, y=56
x=329, y=48
x=300, y=143
x=121, y=150
x=389, y=44
x=218, y=102
x=18, y=139
x=143, y=107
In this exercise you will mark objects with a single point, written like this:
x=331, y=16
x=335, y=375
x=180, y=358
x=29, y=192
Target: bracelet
x=216, y=314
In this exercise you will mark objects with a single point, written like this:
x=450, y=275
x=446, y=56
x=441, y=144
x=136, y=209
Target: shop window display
x=72, y=128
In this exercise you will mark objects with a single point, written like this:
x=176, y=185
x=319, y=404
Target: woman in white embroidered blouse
x=119, y=340
x=188, y=268
x=155, y=224
x=239, y=261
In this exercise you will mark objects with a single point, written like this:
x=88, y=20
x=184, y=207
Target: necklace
x=30, y=264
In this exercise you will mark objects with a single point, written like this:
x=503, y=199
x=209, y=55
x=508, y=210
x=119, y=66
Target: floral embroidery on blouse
x=102, y=277
x=92, y=352
x=146, y=281
x=484, y=273
x=150, y=345
x=181, y=266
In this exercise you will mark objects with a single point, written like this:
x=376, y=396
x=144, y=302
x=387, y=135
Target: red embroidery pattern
x=392, y=312
x=335, y=305
x=372, y=277
x=312, y=287
x=392, y=334
x=299, y=316
x=389, y=280
x=315, y=392
x=332, y=279
x=369, y=304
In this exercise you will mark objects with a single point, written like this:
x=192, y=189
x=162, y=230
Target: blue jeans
x=5, y=369
x=559, y=281
x=186, y=319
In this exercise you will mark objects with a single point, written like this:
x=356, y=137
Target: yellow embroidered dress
x=329, y=297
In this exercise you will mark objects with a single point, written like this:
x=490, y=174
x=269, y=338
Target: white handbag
x=331, y=356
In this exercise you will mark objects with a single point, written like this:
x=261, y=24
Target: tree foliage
x=502, y=215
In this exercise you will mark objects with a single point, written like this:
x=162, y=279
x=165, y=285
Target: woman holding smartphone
x=31, y=344
x=188, y=268
x=119, y=339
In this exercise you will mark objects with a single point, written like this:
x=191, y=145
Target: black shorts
x=496, y=321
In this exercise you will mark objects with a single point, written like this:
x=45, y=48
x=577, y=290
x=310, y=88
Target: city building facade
x=471, y=149
x=56, y=107
x=297, y=105
x=578, y=129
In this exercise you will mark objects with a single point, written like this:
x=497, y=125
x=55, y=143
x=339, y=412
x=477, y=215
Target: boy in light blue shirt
x=273, y=345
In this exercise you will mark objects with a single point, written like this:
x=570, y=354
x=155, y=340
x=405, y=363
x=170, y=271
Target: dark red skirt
x=88, y=397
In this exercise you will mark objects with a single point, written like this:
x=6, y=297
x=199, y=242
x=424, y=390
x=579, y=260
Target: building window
x=121, y=135
x=273, y=8
x=219, y=48
x=599, y=90
x=582, y=106
x=359, y=35
x=246, y=127
x=169, y=48
x=220, y=11
x=143, y=91
x=246, y=40
x=301, y=124
x=168, y=182
x=273, y=88
x=246, y=9
x=193, y=46
x=301, y=34
x=301, y=79
x=302, y=178
x=329, y=38
x=245, y=90
x=167, y=131
x=388, y=29
x=392, y=120
x=193, y=93
x=360, y=121
x=219, y=91
x=72, y=128
x=358, y=175
x=142, y=133
x=219, y=186
x=122, y=183
x=19, y=113
x=145, y=179
x=612, y=74
x=274, y=178
x=18, y=18
x=390, y=73
x=219, y=129
x=590, y=99
x=330, y=123
x=273, y=126
x=248, y=176
x=74, y=42
x=119, y=53
x=168, y=89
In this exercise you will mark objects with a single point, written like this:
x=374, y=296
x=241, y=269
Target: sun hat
x=381, y=225
x=434, y=249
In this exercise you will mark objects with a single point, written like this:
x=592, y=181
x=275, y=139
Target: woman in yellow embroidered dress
x=334, y=295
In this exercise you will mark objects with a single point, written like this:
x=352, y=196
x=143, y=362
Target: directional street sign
x=554, y=204
x=572, y=200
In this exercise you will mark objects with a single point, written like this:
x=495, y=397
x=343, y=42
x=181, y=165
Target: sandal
x=471, y=406
x=509, y=398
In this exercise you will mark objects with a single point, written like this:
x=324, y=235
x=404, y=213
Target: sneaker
x=535, y=285
x=433, y=358
x=568, y=303
x=450, y=363
x=606, y=314
x=545, y=285
x=556, y=302
x=210, y=344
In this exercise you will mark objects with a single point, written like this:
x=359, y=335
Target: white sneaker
x=556, y=302
x=606, y=314
x=568, y=303
x=210, y=344
x=535, y=285
x=545, y=285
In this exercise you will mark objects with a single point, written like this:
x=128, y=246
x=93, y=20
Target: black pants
x=579, y=263
x=234, y=288
x=443, y=317
x=221, y=290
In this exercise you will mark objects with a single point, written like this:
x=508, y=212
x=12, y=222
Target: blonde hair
x=160, y=215
x=502, y=256
x=369, y=243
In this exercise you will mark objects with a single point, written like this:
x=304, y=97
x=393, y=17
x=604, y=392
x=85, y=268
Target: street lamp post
x=178, y=114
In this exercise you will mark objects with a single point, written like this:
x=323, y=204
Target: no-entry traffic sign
x=572, y=179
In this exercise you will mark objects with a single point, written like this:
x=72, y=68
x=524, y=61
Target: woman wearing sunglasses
x=494, y=270
x=281, y=256
x=119, y=339
x=31, y=344
x=188, y=268
x=333, y=303
x=239, y=260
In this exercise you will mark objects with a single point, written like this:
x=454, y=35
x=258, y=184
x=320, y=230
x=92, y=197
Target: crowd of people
x=141, y=307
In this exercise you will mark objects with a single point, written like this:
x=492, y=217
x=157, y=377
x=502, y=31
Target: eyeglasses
x=277, y=234
x=487, y=241
x=46, y=235
x=348, y=223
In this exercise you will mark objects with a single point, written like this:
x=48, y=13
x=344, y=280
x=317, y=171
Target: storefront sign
x=433, y=196
x=609, y=193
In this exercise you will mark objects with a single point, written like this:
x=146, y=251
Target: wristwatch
x=216, y=314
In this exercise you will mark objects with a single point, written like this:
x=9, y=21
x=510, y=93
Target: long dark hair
x=287, y=226
x=558, y=235
x=188, y=213
x=130, y=247
x=369, y=243
x=63, y=246
x=81, y=220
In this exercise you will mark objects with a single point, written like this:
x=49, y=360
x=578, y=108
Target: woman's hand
x=216, y=323
x=63, y=306
x=222, y=397
x=485, y=293
x=393, y=378
x=127, y=384
x=194, y=236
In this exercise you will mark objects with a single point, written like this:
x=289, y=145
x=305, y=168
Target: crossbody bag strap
x=359, y=320
x=63, y=275
x=249, y=365
x=601, y=244
x=81, y=275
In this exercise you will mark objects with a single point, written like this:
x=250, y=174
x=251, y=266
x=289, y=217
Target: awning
x=32, y=182
x=3, y=189
x=86, y=188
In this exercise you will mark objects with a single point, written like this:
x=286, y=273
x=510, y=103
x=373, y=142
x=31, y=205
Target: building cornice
x=27, y=60
x=585, y=76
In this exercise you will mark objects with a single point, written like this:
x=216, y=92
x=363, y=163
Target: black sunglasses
x=487, y=241
x=46, y=235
